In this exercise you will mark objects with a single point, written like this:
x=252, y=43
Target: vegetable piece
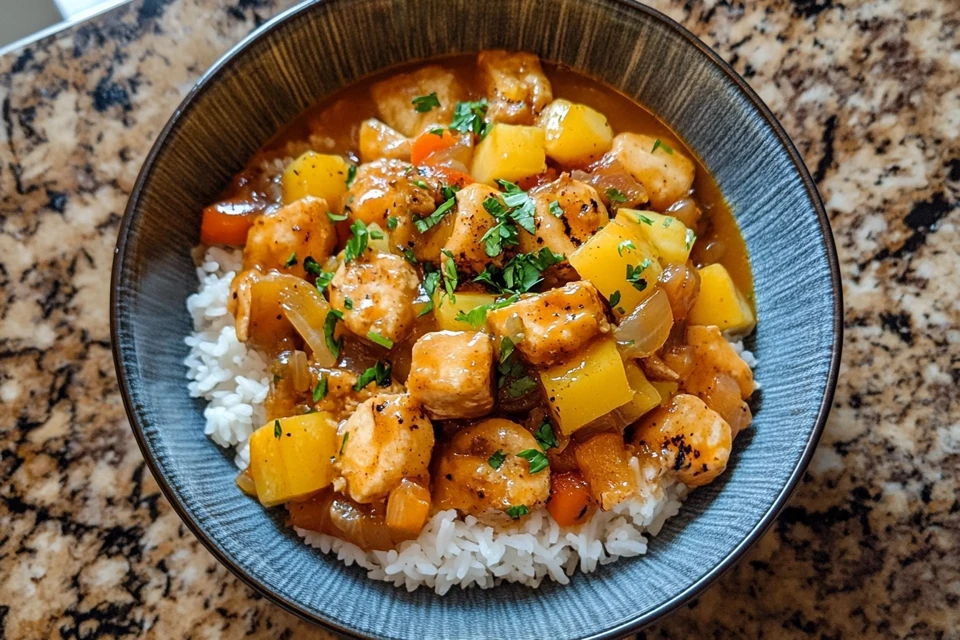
x=314, y=513
x=361, y=524
x=245, y=483
x=681, y=283
x=720, y=303
x=315, y=174
x=509, y=152
x=307, y=312
x=605, y=465
x=670, y=237
x=377, y=140
x=645, y=396
x=591, y=384
x=666, y=390
x=429, y=143
x=254, y=302
x=570, y=500
x=574, y=133
x=226, y=223
x=299, y=370
x=407, y=509
x=451, y=374
x=298, y=462
x=647, y=327
x=462, y=315
x=599, y=261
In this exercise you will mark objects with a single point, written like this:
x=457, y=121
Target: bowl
x=315, y=48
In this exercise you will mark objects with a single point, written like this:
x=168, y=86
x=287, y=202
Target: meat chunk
x=378, y=141
x=516, y=84
x=388, y=438
x=301, y=228
x=719, y=377
x=692, y=440
x=480, y=474
x=666, y=175
x=581, y=214
x=555, y=324
x=452, y=374
x=471, y=223
x=381, y=288
x=394, y=97
x=386, y=188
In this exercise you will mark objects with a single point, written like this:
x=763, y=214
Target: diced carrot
x=429, y=143
x=541, y=178
x=227, y=222
x=570, y=500
x=451, y=177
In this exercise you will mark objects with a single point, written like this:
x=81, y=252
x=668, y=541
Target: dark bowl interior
x=312, y=50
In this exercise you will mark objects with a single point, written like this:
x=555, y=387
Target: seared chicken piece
x=381, y=288
x=692, y=439
x=384, y=189
x=377, y=141
x=452, y=374
x=471, y=223
x=666, y=175
x=480, y=473
x=299, y=229
x=394, y=97
x=720, y=377
x=341, y=399
x=582, y=214
x=517, y=84
x=555, y=324
x=388, y=438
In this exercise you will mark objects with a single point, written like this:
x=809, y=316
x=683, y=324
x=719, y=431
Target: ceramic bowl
x=317, y=47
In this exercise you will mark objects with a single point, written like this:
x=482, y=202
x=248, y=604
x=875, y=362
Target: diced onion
x=307, y=312
x=299, y=370
x=645, y=330
x=407, y=509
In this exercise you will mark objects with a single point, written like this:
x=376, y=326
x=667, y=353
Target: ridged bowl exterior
x=318, y=47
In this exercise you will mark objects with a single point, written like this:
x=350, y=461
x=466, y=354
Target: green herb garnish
x=518, y=510
x=357, y=243
x=468, y=118
x=633, y=274
x=431, y=280
x=660, y=144
x=521, y=273
x=437, y=131
x=376, y=338
x=424, y=224
x=616, y=196
x=329, y=328
x=496, y=460
x=291, y=261
x=336, y=217
x=320, y=391
x=691, y=237
x=626, y=244
x=449, y=275
x=277, y=430
x=423, y=104
x=344, y=443
x=409, y=256
x=311, y=266
x=420, y=183
x=351, y=174
x=347, y=303
x=538, y=461
x=644, y=219
x=555, y=209
x=323, y=280
x=379, y=372
x=545, y=436
x=392, y=222
x=615, y=298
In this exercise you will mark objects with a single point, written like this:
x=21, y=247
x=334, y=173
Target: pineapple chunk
x=315, y=174
x=447, y=311
x=590, y=385
x=720, y=303
x=575, y=133
x=666, y=390
x=645, y=398
x=671, y=238
x=605, y=258
x=509, y=152
x=290, y=457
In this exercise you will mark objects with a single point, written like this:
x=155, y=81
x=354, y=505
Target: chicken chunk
x=555, y=324
x=666, y=175
x=452, y=374
x=384, y=189
x=691, y=439
x=720, y=377
x=299, y=229
x=516, y=84
x=480, y=474
x=388, y=438
x=381, y=289
x=582, y=214
x=394, y=97
x=378, y=141
x=471, y=223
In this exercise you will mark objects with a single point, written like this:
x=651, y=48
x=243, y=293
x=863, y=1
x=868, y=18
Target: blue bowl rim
x=623, y=628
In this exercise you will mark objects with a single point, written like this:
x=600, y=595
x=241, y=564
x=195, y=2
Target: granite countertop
x=870, y=93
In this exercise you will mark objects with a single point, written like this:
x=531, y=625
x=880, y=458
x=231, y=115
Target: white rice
x=450, y=551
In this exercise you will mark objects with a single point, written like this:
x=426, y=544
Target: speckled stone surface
x=870, y=93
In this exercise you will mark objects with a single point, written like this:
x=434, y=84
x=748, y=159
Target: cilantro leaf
x=615, y=298
x=320, y=391
x=424, y=224
x=517, y=510
x=545, y=436
x=376, y=338
x=351, y=175
x=538, y=461
x=357, y=243
x=336, y=217
x=660, y=144
x=392, y=222
x=496, y=460
x=277, y=429
x=616, y=196
x=468, y=117
x=555, y=209
x=379, y=373
x=626, y=244
x=291, y=261
x=424, y=104
x=329, y=327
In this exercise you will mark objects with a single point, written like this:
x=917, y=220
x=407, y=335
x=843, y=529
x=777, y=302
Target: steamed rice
x=450, y=551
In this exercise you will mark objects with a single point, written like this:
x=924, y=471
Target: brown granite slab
x=869, y=91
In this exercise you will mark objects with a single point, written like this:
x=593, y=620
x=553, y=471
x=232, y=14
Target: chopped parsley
x=420, y=183
x=477, y=317
x=379, y=373
x=448, y=191
x=615, y=298
x=291, y=261
x=633, y=274
x=506, y=349
x=431, y=280
x=320, y=391
x=424, y=224
x=468, y=118
x=538, y=461
x=545, y=436
x=329, y=327
x=277, y=430
x=660, y=144
x=521, y=273
x=323, y=280
x=409, y=256
x=392, y=222
x=515, y=208
x=344, y=442
x=375, y=337
x=424, y=104
x=347, y=302
x=667, y=222
x=555, y=209
x=496, y=460
x=512, y=373
x=351, y=174
x=517, y=510
x=644, y=219
x=626, y=244
x=357, y=243
x=336, y=217
x=521, y=386
x=616, y=196
x=449, y=275
x=311, y=266
x=437, y=131
x=691, y=237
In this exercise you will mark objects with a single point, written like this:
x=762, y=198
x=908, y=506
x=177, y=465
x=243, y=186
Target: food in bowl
x=473, y=320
